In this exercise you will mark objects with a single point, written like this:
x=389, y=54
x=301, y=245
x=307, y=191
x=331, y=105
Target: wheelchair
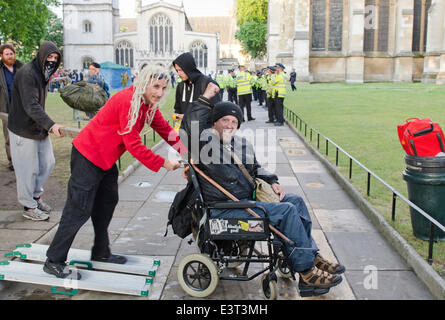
x=225, y=244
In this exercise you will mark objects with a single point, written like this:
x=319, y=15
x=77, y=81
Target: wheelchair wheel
x=198, y=275
x=269, y=287
x=283, y=269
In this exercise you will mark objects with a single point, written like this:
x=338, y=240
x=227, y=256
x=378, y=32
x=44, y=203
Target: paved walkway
x=341, y=230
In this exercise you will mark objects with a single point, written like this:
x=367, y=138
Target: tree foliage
x=25, y=23
x=251, y=11
x=252, y=21
x=252, y=36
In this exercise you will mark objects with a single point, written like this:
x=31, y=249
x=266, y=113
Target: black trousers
x=255, y=93
x=292, y=84
x=271, y=109
x=92, y=192
x=279, y=106
x=232, y=95
x=261, y=96
x=245, y=101
x=221, y=93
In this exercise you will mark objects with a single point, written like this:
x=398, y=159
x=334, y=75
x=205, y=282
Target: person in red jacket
x=92, y=188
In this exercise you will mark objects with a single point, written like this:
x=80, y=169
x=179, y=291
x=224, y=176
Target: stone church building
x=161, y=31
x=359, y=40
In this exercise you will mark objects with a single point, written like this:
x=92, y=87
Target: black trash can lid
x=425, y=162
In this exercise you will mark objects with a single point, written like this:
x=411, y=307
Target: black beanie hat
x=222, y=109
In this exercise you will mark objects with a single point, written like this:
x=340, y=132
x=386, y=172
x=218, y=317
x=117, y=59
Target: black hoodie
x=27, y=116
x=196, y=83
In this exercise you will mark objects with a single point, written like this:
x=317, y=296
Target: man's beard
x=9, y=62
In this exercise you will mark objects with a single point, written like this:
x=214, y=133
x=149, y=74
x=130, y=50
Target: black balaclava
x=50, y=68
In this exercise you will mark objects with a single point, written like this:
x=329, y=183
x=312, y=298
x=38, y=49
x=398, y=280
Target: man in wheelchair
x=218, y=155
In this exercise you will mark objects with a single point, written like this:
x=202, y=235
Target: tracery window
x=125, y=54
x=161, y=34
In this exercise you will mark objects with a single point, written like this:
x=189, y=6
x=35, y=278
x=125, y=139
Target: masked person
x=92, y=188
x=29, y=126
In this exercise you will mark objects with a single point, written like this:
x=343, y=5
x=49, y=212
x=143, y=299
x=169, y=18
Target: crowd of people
x=266, y=86
x=92, y=190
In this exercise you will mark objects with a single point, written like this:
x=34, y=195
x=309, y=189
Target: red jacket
x=101, y=143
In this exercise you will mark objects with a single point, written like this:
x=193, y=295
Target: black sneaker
x=60, y=270
x=112, y=258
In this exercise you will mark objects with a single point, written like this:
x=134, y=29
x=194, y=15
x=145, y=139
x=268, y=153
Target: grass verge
x=362, y=119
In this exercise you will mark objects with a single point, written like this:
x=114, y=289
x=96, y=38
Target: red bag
x=421, y=137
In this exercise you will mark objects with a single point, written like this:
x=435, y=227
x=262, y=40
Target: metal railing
x=298, y=123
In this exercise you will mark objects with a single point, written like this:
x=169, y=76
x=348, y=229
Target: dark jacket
x=27, y=116
x=216, y=162
x=197, y=83
x=5, y=103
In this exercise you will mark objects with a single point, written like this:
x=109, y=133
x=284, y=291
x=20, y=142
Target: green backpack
x=83, y=96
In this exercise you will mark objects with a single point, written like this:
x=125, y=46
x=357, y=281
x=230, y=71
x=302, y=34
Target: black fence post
x=350, y=168
x=336, y=156
x=431, y=243
x=368, y=187
x=393, y=210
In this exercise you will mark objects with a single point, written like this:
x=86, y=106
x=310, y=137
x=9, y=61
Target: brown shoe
x=323, y=264
x=316, y=282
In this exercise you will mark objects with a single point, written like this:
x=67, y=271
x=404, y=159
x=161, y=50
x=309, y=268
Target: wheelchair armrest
x=233, y=205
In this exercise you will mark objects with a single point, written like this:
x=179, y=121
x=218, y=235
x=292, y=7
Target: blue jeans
x=290, y=217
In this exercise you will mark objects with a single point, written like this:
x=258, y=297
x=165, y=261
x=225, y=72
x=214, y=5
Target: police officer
x=269, y=74
x=244, y=91
x=279, y=93
x=261, y=84
x=231, y=87
x=221, y=80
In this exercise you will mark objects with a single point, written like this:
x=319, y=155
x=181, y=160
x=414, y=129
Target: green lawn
x=362, y=119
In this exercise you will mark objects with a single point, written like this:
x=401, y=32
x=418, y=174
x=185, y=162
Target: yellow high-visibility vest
x=221, y=80
x=279, y=85
x=243, y=83
x=269, y=80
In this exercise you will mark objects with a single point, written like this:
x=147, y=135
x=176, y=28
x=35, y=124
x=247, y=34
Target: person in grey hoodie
x=8, y=69
x=29, y=126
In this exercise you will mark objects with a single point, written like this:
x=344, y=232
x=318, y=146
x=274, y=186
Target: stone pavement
x=373, y=269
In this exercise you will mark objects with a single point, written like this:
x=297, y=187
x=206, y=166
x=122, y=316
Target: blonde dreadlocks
x=146, y=78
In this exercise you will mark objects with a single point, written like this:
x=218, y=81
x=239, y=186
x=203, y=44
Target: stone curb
x=424, y=271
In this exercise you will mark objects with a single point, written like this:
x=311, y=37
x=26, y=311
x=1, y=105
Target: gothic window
x=376, y=31
x=124, y=54
x=200, y=52
x=161, y=34
x=327, y=25
x=86, y=62
x=420, y=25
x=87, y=26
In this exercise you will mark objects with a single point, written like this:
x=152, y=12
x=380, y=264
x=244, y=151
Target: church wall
x=396, y=62
x=327, y=69
x=378, y=69
x=74, y=55
x=210, y=41
x=417, y=68
x=177, y=19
